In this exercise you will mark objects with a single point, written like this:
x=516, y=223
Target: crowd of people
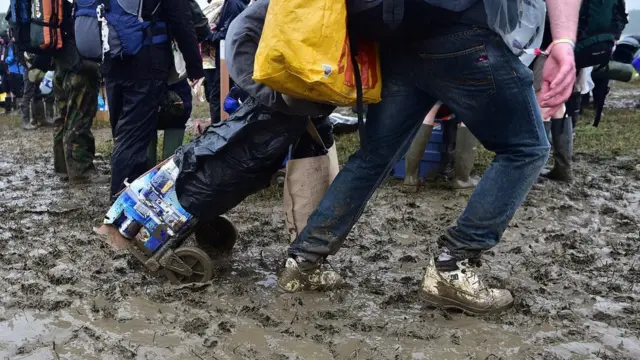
x=439, y=52
x=20, y=84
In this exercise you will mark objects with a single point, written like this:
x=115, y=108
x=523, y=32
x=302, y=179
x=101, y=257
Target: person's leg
x=25, y=104
x=18, y=90
x=214, y=96
x=152, y=151
x=482, y=82
x=59, y=162
x=79, y=144
x=174, y=135
x=464, y=159
x=561, y=129
x=136, y=124
x=415, y=153
x=49, y=109
x=391, y=125
x=114, y=100
x=212, y=90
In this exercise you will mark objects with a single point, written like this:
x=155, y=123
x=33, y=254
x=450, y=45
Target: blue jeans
x=472, y=71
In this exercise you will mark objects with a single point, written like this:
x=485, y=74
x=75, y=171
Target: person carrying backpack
x=444, y=50
x=179, y=92
x=75, y=84
x=136, y=62
x=230, y=10
x=15, y=70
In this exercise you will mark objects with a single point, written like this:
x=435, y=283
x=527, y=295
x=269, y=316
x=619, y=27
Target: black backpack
x=600, y=23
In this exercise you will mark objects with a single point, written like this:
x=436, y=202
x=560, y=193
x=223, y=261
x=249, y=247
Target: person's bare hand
x=547, y=112
x=558, y=76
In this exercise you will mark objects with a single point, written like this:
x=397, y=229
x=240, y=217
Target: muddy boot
x=90, y=176
x=172, y=141
x=546, y=169
x=27, y=125
x=37, y=112
x=49, y=117
x=455, y=284
x=562, y=139
x=464, y=158
x=414, y=156
x=301, y=275
x=16, y=106
x=152, y=151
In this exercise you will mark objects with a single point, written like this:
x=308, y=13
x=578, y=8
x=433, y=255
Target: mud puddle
x=571, y=258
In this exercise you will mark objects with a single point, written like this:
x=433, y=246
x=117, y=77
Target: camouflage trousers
x=73, y=143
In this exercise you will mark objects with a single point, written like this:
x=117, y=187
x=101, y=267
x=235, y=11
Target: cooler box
x=430, y=164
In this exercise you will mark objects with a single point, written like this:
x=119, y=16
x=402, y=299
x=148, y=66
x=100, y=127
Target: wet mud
x=570, y=257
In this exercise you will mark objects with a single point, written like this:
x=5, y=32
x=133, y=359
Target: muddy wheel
x=199, y=262
x=216, y=236
x=278, y=178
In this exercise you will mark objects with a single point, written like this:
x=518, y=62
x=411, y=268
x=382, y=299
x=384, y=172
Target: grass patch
x=617, y=134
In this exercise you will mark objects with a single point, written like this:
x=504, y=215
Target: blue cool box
x=149, y=211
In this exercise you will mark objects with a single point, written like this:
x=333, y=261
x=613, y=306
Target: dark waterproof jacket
x=155, y=61
x=230, y=10
x=200, y=21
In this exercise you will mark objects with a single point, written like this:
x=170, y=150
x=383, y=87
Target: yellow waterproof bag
x=304, y=52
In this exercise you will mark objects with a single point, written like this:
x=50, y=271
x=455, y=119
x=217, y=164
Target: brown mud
x=570, y=257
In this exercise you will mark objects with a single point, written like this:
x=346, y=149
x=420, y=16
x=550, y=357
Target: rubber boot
x=414, y=156
x=152, y=152
x=49, y=114
x=16, y=106
x=464, y=158
x=562, y=140
x=547, y=129
x=38, y=112
x=172, y=141
x=27, y=125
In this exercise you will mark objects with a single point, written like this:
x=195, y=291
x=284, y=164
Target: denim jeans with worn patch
x=472, y=71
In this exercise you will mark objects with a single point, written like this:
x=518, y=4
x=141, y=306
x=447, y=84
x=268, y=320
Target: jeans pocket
x=464, y=72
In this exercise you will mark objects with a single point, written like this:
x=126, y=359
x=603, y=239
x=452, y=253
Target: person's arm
x=563, y=17
x=178, y=15
x=200, y=22
x=559, y=73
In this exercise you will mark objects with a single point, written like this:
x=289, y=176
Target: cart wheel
x=278, y=178
x=218, y=235
x=199, y=262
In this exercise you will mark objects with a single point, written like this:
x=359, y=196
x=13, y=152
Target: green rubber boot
x=152, y=152
x=464, y=158
x=562, y=140
x=172, y=140
x=414, y=156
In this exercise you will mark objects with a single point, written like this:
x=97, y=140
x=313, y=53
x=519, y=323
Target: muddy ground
x=570, y=258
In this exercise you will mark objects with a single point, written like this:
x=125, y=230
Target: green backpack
x=601, y=22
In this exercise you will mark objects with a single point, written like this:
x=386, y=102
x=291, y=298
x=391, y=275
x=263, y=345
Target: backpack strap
x=156, y=33
x=359, y=90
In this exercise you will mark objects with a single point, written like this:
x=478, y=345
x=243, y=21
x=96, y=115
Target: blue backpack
x=120, y=22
